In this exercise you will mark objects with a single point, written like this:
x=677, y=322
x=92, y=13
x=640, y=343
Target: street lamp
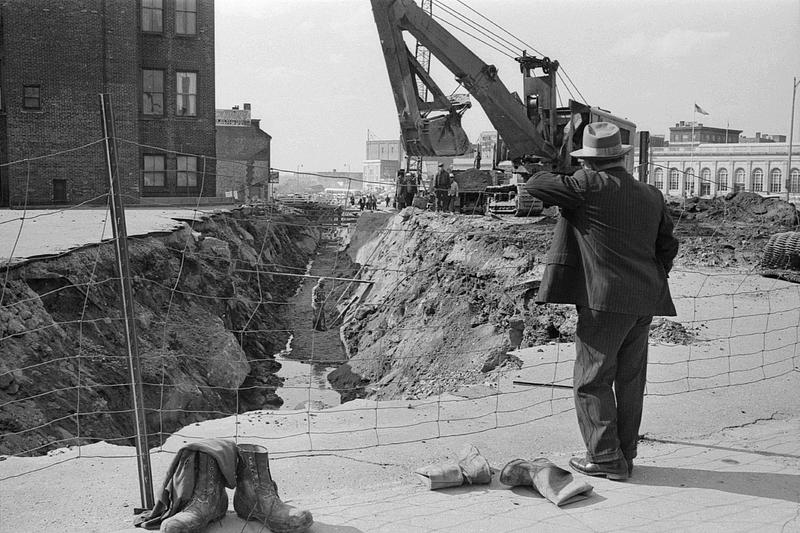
x=795, y=83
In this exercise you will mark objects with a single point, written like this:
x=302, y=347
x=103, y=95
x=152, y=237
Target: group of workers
x=442, y=196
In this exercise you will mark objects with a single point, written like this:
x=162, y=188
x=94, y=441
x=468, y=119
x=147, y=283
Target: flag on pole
x=700, y=110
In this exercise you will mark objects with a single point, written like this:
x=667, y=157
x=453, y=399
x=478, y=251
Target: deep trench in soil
x=310, y=355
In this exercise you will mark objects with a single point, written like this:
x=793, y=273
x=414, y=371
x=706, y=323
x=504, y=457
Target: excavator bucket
x=437, y=136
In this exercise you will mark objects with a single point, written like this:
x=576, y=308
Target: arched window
x=738, y=180
x=674, y=174
x=705, y=182
x=794, y=180
x=758, y=180
x=688, y=182
x=722, y=180
x=658, y=178
x=775, y=180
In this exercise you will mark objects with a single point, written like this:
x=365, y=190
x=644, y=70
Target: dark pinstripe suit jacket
x=613, y=245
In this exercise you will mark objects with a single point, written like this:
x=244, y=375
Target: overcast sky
x=315, y=75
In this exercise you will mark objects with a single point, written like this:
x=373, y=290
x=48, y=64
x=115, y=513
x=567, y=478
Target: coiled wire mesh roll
x=782, y=251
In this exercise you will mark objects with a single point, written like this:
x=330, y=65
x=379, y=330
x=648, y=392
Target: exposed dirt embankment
x=452, y=295
x=208, y=319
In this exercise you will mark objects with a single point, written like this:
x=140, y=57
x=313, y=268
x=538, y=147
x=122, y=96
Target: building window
x=674, y=173
x=154, y=173
x=187, y=94
x=31, y=97
x=59, y=191
x=705, y=182
x=152, y=92
x=722, y=180
x=758, y=180
x=775, y=180
x=738, y=180
x=688, y=182
x=794, y=180
x=152, y=16
x=187, y=171
x=186, y=17
x=658, y=178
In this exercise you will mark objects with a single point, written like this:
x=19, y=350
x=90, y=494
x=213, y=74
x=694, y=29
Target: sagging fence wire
x=743, y=348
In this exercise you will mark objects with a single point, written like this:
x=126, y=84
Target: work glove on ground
x=471, y=468
x=549, y=480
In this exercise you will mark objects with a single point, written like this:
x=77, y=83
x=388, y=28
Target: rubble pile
x=666, y=331
x=730, y=231
x=737, y=207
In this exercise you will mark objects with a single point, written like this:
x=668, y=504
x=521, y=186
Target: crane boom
x=442, y=134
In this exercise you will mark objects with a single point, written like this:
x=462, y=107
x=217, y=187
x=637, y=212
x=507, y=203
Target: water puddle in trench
x=305, y=384
x=309, y=355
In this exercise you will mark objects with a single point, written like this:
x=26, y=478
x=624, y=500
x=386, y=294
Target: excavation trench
x=310, y=355
x=224, y=319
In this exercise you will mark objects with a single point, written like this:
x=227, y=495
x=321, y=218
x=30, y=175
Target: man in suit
x=612, y=250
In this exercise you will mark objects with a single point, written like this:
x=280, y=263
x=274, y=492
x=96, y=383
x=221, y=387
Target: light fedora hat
x=601, y=140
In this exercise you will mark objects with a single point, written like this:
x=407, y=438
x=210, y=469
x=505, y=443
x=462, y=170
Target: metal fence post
x=123, y=267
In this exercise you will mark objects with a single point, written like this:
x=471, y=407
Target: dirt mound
x=738, y=207
x=664, y=330
x=473, y=179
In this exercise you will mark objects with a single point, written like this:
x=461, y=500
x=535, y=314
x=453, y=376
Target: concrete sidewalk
x=745, y=479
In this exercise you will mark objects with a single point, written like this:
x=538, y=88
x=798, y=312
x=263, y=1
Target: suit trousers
x=608, y=381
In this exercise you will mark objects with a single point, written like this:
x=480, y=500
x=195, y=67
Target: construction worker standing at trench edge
x=452, y=195
x=612, y=251
x=441, y=184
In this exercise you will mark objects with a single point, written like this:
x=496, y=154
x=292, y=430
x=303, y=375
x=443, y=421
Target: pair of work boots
x=256, y=496
x=549, y=480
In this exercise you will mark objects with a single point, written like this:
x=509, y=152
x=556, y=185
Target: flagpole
x=691, y=147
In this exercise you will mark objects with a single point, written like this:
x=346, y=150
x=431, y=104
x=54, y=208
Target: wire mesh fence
x=221, y=301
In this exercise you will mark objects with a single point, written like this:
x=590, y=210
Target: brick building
x=243, y=155
x=155, y=58
x=687, y=134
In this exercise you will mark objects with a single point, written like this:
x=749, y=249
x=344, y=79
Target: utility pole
x=791, y=133
x=644, y=156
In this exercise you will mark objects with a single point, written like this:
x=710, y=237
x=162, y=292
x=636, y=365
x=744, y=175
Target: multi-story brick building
x=243, y=155
x=155, y=58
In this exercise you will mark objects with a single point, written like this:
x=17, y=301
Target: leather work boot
x=549, y=480
x=209, y=501
x=472, y=468
x=615, y=470
x=256, y=496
